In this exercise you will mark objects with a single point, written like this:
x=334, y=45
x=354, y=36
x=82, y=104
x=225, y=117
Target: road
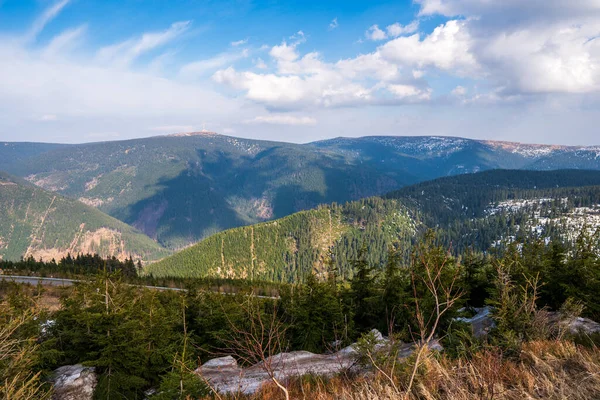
x=35, y=280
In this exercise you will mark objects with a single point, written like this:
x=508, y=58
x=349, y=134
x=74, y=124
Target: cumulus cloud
x=282, y=119
x=538, y=54
x=408, y=92
x=448, y=47
x=529, y=47
x=374, y=33
x=397, y=29
x=391, y=31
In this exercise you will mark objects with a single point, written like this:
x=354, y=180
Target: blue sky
x=90, y=70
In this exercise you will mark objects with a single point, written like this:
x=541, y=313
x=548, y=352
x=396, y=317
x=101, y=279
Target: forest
x=463, y=211
x=140, y=339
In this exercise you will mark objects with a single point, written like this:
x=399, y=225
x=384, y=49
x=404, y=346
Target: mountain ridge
x=181, y=188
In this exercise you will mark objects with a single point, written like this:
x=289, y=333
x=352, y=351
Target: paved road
x=35, y=280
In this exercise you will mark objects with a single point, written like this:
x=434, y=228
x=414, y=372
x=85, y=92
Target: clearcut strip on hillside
x=41, y=224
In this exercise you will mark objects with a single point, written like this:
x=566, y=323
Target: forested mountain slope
x=474, y=210
x=178, y=189
x=182, y=188
x=42, y=224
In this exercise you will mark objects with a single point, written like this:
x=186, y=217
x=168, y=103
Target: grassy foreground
x=544, y=370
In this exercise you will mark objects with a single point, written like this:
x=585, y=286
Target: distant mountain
x=182, y=188
x=431, y=157
x=478, y=210
x=42, y=224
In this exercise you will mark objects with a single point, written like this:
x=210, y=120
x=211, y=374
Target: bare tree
x=258, y=338
x=445, y=295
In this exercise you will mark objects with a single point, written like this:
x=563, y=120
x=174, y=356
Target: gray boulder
x=74, y=382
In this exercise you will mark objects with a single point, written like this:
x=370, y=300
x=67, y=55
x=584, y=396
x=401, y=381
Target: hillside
x=178, y=189
x=41, y=224
x=181, y=188
x=474, y=210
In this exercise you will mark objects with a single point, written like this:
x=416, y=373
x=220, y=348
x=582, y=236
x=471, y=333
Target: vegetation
x=139, y=338
x=41, y=224
x=180, y=189
x=464, y=210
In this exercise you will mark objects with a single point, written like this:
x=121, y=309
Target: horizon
x=80, y=72
x=199, y=133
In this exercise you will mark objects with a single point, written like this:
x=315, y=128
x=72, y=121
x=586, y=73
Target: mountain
x=42, y=224
x=179, y=189
x=478, y=210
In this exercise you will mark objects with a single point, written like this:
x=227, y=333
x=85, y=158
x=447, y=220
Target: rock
x=584, y=325
x=225, y=375
x=74, y=382
x=222, y=362
x=481, y=322
x=377, y=335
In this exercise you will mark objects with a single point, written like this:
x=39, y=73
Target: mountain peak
x=198, y=133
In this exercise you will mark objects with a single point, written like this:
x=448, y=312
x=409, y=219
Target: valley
x=179, y=189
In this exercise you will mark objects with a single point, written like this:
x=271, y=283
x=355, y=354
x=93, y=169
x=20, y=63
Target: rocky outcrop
x=74, y=382
x=576, y=326
x=482, y=322
x=226, y=376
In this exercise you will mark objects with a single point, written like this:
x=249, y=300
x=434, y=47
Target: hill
x=178, y=189
x=474, y=210
x=41, y=224
x=181, y=188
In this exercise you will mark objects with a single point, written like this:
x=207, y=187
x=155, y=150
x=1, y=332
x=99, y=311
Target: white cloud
x=48, y=15
x=124, y=53
x=374, y=33
x=391, y=31
x=211, y=64
x=239, y=42
x=308, y=81
x=333, y=24
x=408, y=92
x=282, y=119
x=260, y=63
x=459, y=91
x=448, y=47
x=65, y=41
x=530, y=47
x=397, y=29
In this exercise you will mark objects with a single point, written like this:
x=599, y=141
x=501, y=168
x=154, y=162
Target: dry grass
x=544, y=370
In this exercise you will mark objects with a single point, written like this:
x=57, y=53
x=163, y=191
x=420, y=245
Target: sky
x=75, y=71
